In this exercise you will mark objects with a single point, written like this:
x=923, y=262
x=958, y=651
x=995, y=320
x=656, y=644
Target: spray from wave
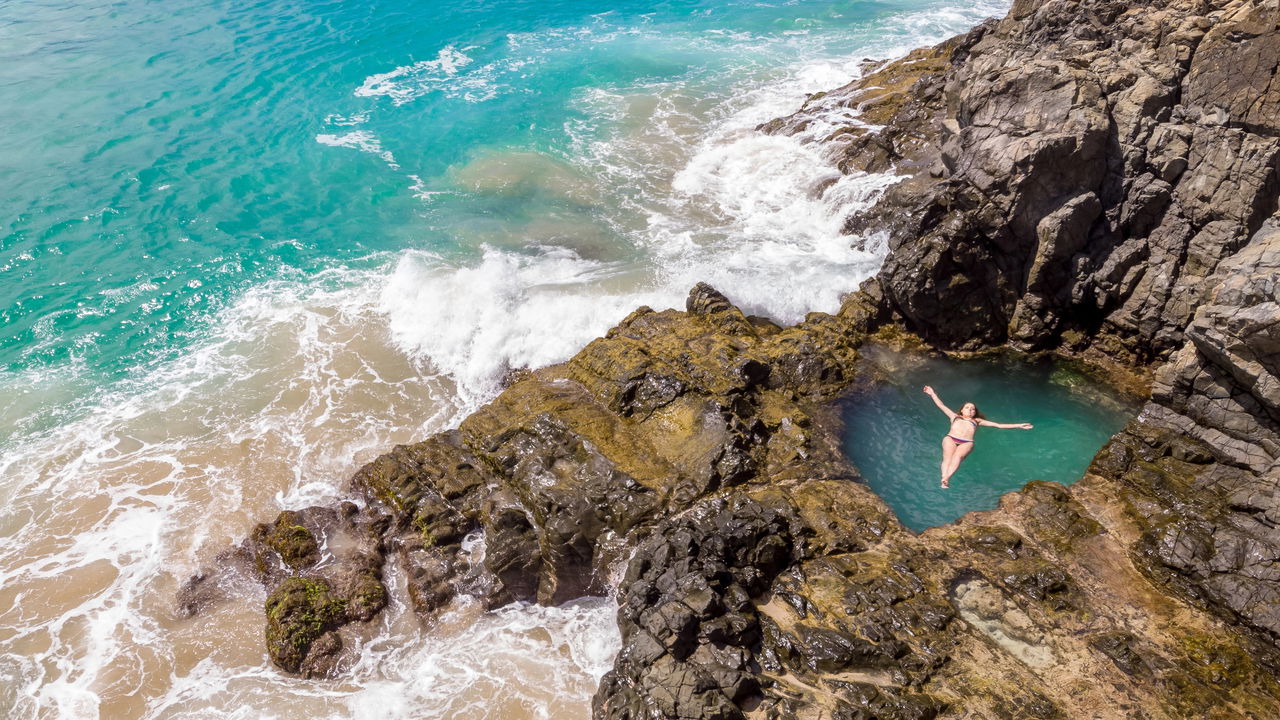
x=674, y=172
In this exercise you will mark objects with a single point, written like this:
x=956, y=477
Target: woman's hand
x=928, y=390
x=1024, y=426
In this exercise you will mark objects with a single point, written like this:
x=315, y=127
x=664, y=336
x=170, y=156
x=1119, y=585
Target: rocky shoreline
x=1094, y=179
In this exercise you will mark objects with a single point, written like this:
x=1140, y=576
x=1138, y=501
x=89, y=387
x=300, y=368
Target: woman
x=958, y=441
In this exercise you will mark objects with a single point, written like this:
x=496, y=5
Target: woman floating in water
x=958, y=441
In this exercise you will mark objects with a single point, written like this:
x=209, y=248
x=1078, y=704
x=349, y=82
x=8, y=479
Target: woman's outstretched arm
x=929, y=391
x=1005, y=426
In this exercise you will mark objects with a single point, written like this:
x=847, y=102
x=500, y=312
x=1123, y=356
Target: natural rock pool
x=893, y=431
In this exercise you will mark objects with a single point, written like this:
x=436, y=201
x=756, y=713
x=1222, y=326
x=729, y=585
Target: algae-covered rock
x=302, y=614
x=322, y=569
x=293, y=542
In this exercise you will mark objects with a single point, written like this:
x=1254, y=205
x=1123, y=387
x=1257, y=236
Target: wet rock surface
x=1094, y=178
x=315, y=598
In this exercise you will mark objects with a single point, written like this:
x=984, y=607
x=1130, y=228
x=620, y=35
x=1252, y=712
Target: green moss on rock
x=1214, y=676
x=286, y=537
x=299, y=612
x=367, y=597
x=295, y=544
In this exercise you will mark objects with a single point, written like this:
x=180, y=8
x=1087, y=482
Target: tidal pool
x=893, y=431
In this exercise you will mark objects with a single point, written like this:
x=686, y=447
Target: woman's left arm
x=1005, y=426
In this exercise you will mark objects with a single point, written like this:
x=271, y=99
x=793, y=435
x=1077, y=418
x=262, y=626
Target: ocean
x=245, y=247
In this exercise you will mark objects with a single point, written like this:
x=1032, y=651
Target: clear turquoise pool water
x=893, y=432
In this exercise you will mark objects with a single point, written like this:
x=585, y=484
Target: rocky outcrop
x=555, y=480
x=314, y=609
x=1086, y=167
x=799, y=595
x=1200, y=469
x=1089, y=177
x=1074, y=184
x=694, y=452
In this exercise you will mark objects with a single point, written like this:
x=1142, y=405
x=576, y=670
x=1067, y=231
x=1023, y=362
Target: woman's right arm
x=934, y=396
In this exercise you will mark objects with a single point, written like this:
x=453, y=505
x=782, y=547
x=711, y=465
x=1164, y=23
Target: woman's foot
x=946, y=483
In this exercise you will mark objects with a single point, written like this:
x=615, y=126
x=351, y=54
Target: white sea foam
x=420, y=190
x=104, y=514
x=475, y=322
x=520, y=661
x=337, y=120
x=693, y=185
x=469, y=673
x=411, y=81
x=361, y=140
x=452, y=72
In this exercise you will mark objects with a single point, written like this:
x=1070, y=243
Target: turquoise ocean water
x=160, y=160
x=244, y=247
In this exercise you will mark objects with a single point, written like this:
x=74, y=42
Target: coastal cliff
x=1095, y=179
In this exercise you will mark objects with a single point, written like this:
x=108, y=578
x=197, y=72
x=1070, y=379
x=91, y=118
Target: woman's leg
x=953, y=462
x=948, y=449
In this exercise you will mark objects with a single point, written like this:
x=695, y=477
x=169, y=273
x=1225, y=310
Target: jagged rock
x=302, y=615
x=1205, y=460
x=310, y=603
x=559, y=474
x=706, y=300
x=1090, y=163
x=1233, y=78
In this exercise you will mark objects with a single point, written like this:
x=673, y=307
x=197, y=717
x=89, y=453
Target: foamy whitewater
x=128, y=462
